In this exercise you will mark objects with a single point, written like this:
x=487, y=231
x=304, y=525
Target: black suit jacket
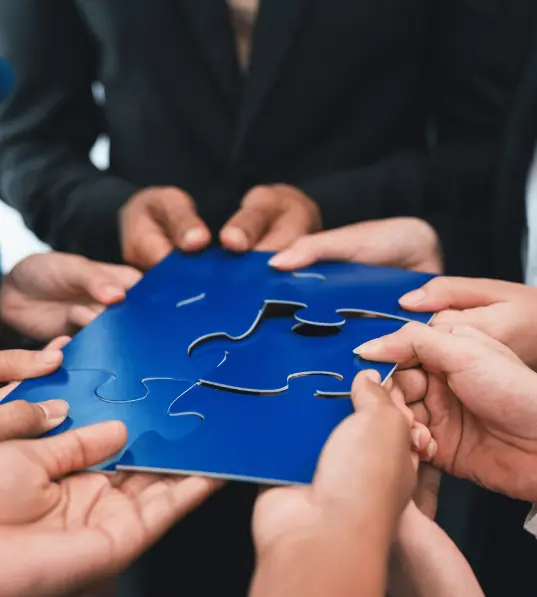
x=374, y=107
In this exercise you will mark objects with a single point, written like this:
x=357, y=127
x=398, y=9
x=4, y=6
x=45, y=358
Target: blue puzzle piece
x=140, y=416
x=191, y=297
x=264, y=439
x=273, y=354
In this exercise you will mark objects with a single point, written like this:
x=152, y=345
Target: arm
x=477, y=49
x=426, y=562
x=324, y=562
x=48, y=126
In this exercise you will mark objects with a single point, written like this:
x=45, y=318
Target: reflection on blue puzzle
x=266, y=360
x=266, y=439
x=202, y=317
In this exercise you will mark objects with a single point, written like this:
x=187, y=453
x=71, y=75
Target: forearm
x=325, y=562
x=425, y=562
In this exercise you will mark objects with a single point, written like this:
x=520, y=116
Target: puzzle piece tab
x=86, y=408
x=273, y=354
x=263, y=439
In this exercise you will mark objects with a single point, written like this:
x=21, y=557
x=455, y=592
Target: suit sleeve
x=48, y=127
x=477, y=49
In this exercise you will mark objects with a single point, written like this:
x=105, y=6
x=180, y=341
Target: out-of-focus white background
x=16, y=241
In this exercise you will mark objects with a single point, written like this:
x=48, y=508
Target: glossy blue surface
x=7, y=79
x=176, y=327
x=266, y=439
x=275, y=353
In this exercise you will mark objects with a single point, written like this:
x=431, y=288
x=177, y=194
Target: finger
x=20, y=419
x=426, y=494
x=366, y=391
x=79, y=449
x=79, y=316
x=456, y=293
x=16, y=365
x=329, y=245
x=412, y=383
x=436, y=351
x=58, y=343
x=176, y=212
x=468, y=331
x=169, y=500
x=284, y=231
x=144, y=240
x=260, y=209
x=422, y=441
x=125, y=275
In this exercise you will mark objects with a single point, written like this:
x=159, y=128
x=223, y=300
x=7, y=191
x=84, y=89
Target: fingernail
x=50, y=357
x=373, y=376
x=416, y=434
x=237, y=238
x=193, y=237
x=368, y=349
x=412, y=298
x=432, y=449
x=54, y=409
x=114, y=292
x=282, y=259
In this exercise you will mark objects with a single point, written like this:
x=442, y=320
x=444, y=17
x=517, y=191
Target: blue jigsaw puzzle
x=279, y=353
x=200, y=317
x=264, y=439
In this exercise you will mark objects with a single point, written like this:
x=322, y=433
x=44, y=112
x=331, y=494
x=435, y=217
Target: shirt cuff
x=531, y=521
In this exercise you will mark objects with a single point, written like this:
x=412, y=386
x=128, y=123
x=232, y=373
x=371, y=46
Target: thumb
x=16, y=365
x=368, y=392
x=79, y=449
x=21, y=419
x=444, y=293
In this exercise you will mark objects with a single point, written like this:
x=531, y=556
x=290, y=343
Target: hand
x=365, y=473
x=156, y=220
x=62, y=533
x=270, y=219
x=53, y=294
x=408, y=243
x=308, y=539
x=477, y=398
x=20, y=419
x=503, y=310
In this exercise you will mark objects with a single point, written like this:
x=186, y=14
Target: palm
x=483, y=416
x=84, y=527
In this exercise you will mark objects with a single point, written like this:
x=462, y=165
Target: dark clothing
x=345, y=99
x=375, y=108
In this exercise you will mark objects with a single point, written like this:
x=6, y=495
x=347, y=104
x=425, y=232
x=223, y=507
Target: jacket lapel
x=210, y=23
x=277, y=23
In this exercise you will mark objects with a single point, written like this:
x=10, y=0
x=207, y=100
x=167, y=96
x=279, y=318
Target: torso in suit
x=341, y=99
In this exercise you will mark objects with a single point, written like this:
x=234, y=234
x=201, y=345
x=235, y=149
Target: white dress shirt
x=529, y=248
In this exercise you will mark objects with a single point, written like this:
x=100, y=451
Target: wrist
x=325, y=558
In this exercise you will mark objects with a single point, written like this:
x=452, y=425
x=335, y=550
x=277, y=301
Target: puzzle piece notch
x=79, y=388
x=251, y=367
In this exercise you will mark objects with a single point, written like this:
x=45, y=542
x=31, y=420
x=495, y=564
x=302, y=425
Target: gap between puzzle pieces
x=278, y=351
x=273, y=439
x=189, y=298
x=78, y=387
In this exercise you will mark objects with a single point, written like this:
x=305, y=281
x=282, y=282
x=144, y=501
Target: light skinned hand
x=156, y=220
x=477, y=398
x=504, y=310
x=20, y=419
x=61, y=533
x=408, y=243
x=366, y=470
x=52, y=294
x=270, y=219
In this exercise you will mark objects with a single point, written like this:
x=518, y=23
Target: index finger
x=457, y=293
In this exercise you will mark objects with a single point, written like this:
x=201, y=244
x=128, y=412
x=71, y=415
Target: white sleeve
x=531, y=521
